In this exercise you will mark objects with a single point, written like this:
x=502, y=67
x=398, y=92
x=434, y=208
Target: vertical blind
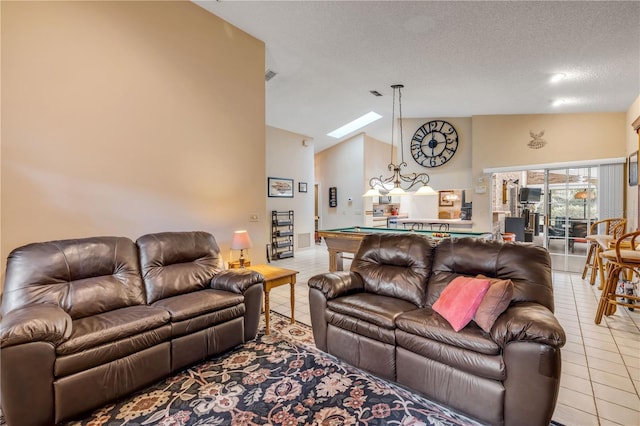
x=611, y=182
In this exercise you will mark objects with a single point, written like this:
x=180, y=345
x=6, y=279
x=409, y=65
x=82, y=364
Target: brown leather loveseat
x=86, y=321
x=378, y=316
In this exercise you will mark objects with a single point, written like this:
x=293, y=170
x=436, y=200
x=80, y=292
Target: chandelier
x=398, y=183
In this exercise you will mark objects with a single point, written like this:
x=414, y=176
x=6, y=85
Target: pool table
x=347, y=240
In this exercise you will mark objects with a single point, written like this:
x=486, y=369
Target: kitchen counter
x=439, y=224
x=383, y=221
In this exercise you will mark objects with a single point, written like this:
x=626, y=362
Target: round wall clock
x=434, y=143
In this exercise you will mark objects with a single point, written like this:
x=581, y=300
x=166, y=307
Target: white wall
x=454, y=174
x=288, y=157
x=342, y=166
x=422, y=206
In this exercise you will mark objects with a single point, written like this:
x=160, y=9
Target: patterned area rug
x=279, y=379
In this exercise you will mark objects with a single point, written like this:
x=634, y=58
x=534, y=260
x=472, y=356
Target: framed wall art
x=333, y=196
x=445, y=198
x=302, y=186
x=280, y=187
x=632, y=167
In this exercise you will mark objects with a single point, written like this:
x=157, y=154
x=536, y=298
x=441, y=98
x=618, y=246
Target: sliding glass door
x=554, y=207
x=571, y=207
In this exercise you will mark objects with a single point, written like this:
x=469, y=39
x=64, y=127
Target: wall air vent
x=269, y=75
x=375, y=93
x=304, y=240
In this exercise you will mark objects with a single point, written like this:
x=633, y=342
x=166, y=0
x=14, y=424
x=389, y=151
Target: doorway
x=316, y=213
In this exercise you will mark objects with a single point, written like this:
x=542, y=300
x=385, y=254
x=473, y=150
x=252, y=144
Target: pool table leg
x=335, y=261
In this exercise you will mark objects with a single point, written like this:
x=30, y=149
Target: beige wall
x=287, y=157
x=2, y=257
x=632, y=145
x=377, y=155
x=501, y=141
x=124, y=118
x=376, y=160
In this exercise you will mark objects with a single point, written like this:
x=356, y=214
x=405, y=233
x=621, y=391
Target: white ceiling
x=455, y=58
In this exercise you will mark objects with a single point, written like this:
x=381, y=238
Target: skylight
x=356, y=124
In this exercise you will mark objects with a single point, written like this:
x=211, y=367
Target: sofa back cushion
x=174, y=263
x=82, y=276
x=395, y=265
x=526, y=265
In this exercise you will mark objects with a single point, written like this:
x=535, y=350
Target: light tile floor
x=600, y=382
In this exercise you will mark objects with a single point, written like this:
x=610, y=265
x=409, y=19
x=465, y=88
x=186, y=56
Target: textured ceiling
x=456, y=59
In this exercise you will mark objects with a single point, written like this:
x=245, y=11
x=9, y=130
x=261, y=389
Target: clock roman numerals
x=434, y=143
x=419, y=135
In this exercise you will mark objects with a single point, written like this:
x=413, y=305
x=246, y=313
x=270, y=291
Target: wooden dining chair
x=623, y=264
x=601, y=234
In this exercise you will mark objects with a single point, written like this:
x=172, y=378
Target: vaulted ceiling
x=455, y=58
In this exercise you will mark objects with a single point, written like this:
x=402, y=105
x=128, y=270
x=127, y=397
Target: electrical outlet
x=253, y=218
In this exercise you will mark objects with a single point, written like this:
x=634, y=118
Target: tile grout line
x=624, y=364
x=593, y=391
x=615, y=341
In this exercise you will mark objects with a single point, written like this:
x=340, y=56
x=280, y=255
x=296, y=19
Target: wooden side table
x=274, y=277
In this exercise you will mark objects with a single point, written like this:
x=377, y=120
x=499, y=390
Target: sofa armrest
x=236, y=280
x=527, y=321
x=35, y=323
x=336, y=284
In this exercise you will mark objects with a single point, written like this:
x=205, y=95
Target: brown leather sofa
x=89, y=320
x=378, y=317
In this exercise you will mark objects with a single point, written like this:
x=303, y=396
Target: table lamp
x=241, y=241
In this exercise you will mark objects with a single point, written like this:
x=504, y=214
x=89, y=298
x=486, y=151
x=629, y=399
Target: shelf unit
x=281, y=234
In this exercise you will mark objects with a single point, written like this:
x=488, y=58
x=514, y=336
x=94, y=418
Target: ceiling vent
x=375, y=93
x=269, y=75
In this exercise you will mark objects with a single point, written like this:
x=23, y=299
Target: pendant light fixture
x=398, y=183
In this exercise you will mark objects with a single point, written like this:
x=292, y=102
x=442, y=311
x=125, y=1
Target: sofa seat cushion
x=429, y=324
x=361, y=328
x=372, y=308
x=107, y=327
x=207, y=320
x=66, y=365
x=191, y=305
x=478, y=364
x=198, y=310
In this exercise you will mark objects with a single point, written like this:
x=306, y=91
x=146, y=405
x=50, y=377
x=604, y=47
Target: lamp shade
x=397, y=191
x=372, y=192
x=426, y=190
x=241, y=240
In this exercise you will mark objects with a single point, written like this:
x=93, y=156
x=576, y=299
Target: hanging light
x=584, y=194
x=397, y=183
